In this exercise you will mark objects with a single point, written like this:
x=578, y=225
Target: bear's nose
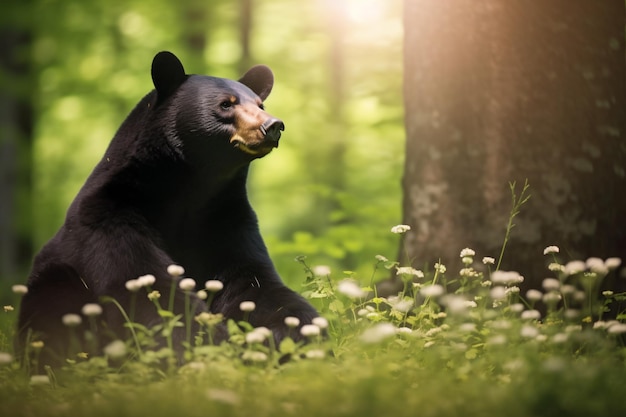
x=271, y=129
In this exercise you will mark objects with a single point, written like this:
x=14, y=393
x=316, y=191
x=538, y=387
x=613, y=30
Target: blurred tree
x=499, y=91
x=16, y=135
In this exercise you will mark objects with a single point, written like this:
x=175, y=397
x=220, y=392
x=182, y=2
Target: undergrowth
x=465, y=342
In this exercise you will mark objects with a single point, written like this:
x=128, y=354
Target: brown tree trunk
x=16, y=123
x=499, y=91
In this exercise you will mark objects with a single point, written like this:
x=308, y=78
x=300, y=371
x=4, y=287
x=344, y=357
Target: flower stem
x=517, y=204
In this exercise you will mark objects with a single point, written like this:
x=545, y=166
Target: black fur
x=170, y=189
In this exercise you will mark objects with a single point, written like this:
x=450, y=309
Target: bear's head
x=209, y=116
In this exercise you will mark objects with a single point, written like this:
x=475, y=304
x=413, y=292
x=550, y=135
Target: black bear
x=170, y=189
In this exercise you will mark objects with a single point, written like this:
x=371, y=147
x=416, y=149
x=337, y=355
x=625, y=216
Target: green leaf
x=471, y=354
x=337, y=306
x=287, y=345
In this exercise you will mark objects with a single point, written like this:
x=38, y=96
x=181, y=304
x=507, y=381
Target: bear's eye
x=226, y=105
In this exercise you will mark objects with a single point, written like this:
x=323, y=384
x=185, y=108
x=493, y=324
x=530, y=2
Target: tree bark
x=499, y=91
x=16, y=129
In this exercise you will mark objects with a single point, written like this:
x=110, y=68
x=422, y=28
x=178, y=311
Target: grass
x=464, y=343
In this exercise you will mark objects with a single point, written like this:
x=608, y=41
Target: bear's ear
x=167, y=73
x=260, y=80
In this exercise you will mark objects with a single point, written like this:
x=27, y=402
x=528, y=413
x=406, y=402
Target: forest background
x=73, y=70
x=495, y=92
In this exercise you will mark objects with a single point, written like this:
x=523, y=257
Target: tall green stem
x=518, y=202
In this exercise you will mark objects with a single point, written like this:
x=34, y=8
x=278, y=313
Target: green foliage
x=450, y=343
x=340, y=160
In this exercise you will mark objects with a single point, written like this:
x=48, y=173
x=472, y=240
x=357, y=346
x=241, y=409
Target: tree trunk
x=16, y=121
x=499, y=91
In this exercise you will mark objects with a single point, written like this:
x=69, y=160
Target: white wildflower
x=434, y=331
x=572, y=328
x=291, y=321
x=612, y=263
x=534, y=295
x=247, y=306
x=404, y=330
x=321, y=270
x=552, y=297
x=202, y=294
x=574, y=267
x=255, y=337
x=468, y=272
x=374, y=316
x=467, y=327
x=381, y=258
x=362, y=312
x=551, y=249
x=597, y=265
x=506, y=277
x=378, y=333
x=254, y=356
x=154, y=295
x=407, y=270
x=512, y=290
x=133, y=285
x=214, y=285
x=19, y=289
x=401, y=228
x=350, y=288
x=517, y=307
x=187, y=284
x=146, y=280
x=556, y=267
x=529, y=332
x=607, y=293
x=456, y=304
x=404, y=305
x=440, y=268
x=579, y=296
x=496, y=340
x=531, y=315
x=39, y=380
x=467, y=252
x=5, y=358
x=618, y=328
x=497, y=293
x=92, y=310
x=71, y=320
x=551, y=284
x=600, y=324
x=500, y=324
x=315, y=354
x=320, y=322
x=115, y=350
x=175, y=271
x=488, y=260
x=434, y=290
x=310, y=330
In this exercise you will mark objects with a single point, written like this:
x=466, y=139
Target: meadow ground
x=465, y=343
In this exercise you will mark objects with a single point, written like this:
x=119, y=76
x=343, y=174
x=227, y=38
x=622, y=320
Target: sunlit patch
x=358, y=11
